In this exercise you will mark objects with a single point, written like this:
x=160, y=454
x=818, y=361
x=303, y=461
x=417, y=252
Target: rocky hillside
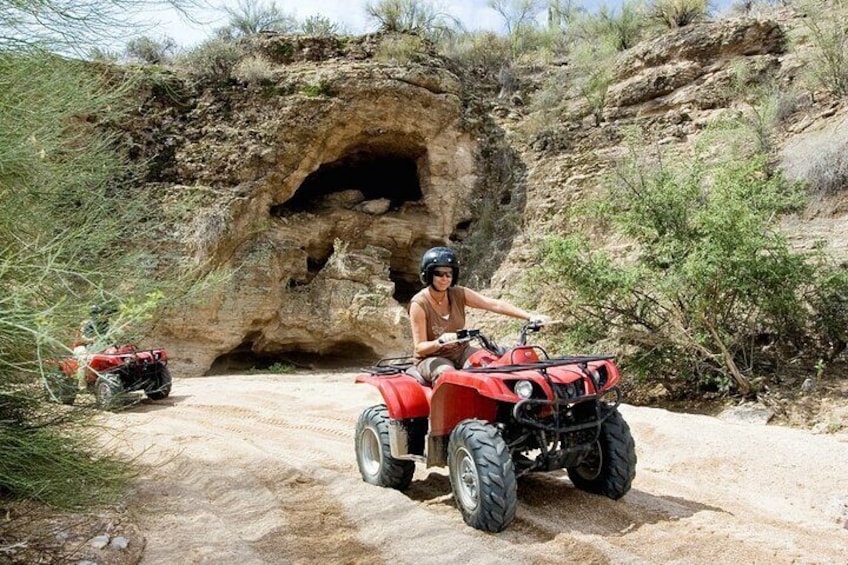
x=313, y=173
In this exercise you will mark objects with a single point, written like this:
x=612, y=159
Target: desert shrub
x=623, y=27
x=319, y=26
x=710, y=277
x=422, y=17
x=484, y=51
x=828, y=170
x=212, y=61
x=320, y=87
x=498, y=201
x=766, y=104
x=65, y=228
x=678, y=13
x=401, y=49
x=254, y=70
x=517, y=14
x=827, y=59
x=593, y=74
x=250, y=17
x=152, y=51
x=55, y=459
x=829, y=307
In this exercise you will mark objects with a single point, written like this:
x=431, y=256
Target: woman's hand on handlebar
x=447, y=337
x=538, y=320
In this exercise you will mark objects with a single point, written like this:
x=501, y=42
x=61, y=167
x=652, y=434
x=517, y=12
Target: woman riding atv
x=437, y=312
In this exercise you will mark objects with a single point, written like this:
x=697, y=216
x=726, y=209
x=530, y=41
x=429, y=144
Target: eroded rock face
x=324, y=177
x=690, y=67
x=334, y=174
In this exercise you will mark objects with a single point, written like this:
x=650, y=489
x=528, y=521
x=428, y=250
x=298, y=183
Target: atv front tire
x=162, y=388
x=482, y=476
x=59, y=388
x=611, y=466
x=109, y=391
x=373, y=453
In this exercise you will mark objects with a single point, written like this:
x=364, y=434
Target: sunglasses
x=443, y=274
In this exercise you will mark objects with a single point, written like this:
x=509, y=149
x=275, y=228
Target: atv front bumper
x=563, y=416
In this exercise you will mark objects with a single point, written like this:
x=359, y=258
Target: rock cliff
x=316, y=177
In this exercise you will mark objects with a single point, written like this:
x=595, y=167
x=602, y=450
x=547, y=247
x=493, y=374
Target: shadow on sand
x=549, y=505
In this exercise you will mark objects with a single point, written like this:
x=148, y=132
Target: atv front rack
x=541, y=365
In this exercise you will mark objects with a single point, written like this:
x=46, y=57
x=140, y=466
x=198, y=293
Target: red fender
x=404, y=396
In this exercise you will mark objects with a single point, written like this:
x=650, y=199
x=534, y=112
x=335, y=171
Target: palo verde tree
x=423, y=17
x=65, y=225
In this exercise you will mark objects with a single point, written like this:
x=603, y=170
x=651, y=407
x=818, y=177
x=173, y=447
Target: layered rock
x=326, y=152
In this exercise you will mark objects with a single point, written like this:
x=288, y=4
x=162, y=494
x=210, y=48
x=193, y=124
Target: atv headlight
x=524, y=389
x=601, y=376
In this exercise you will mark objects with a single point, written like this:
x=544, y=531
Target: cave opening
x=242, y=359
x=376, y=172
x=406, y=285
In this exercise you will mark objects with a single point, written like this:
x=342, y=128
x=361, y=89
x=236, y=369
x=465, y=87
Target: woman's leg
x=432, y=368
x=469, y=351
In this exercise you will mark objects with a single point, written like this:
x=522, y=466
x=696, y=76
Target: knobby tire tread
x=498, y=485
x=619, y=461
x=394, y=473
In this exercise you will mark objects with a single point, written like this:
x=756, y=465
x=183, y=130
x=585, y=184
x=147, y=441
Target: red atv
x=111, y=374
x=511, y=412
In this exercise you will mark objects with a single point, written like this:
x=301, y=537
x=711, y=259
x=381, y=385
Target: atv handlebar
x=466, y=335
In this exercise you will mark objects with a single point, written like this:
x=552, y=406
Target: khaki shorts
x=432, y=367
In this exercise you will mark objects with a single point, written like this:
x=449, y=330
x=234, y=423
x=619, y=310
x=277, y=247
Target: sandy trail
x=261, y=469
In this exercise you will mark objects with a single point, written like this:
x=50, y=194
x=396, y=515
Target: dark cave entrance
x=242, y=359
x=376, y=173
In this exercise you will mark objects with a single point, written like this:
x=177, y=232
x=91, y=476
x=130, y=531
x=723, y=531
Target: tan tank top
x=436, y=324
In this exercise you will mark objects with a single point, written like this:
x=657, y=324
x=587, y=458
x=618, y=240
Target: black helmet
x=438, y=257
x=102, y=310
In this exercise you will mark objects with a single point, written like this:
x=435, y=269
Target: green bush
x=57, y=459
x=151, y=51
x=709, y=281
x=484, y=52
x=592, y=65
x=212, y=61
x=421, y=17
x=401, y=49
x=679, y=13
x=622, y=27
x=827, y=59
x=321, y=87
x=63, y=228
x=828, y=172
x=829, y=306
x=319, y=26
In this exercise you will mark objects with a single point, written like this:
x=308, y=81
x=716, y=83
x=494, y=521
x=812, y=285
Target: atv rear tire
x=59, y=388
x=610, y=468
x=374, y=455
x=482, y=476
x=109, y=391
x=162, y=388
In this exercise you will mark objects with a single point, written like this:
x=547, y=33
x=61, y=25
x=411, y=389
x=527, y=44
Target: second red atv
x=111, y=374
x=511, y=412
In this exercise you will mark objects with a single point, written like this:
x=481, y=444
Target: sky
x=474, y=14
